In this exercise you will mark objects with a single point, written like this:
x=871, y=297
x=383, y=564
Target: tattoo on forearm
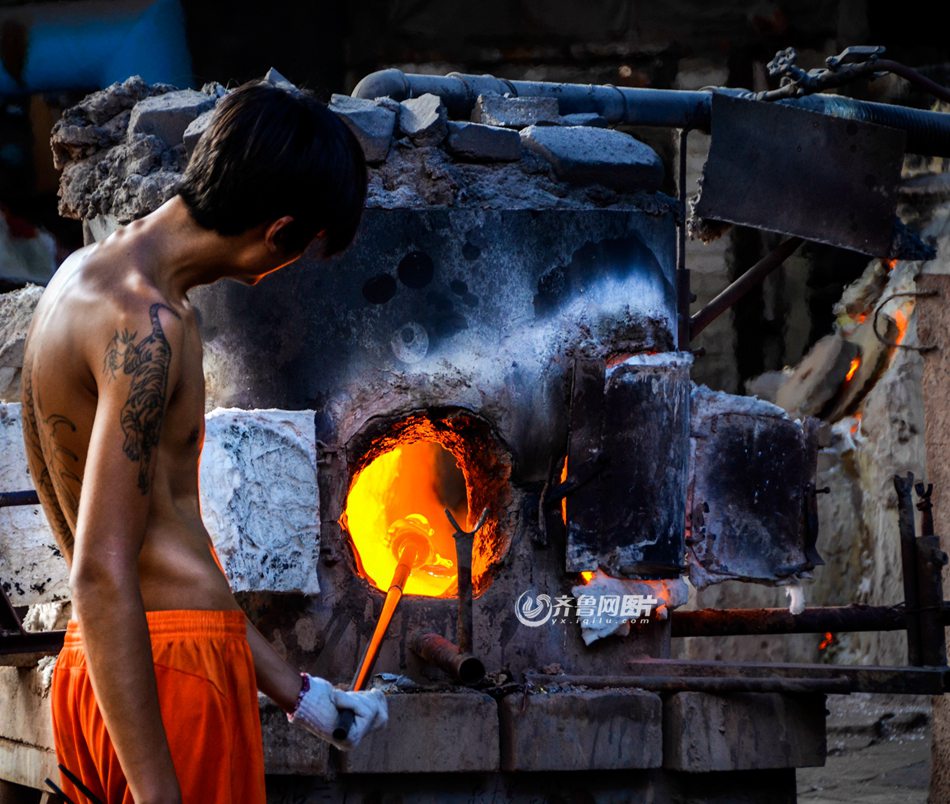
x=147, y=362
x=56, y=467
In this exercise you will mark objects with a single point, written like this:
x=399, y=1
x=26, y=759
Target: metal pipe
x=9, y=499
x=684, y=294
x=464, y=543
x=928, y=132
x=437, y=650
x=745, y=622
x=741, y=286
x=840, y=686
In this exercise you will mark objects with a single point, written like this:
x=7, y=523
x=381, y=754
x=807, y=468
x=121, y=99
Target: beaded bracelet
x=304, y=689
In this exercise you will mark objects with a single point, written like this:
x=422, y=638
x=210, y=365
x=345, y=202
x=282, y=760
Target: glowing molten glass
x=397, y=502
x=852, y=369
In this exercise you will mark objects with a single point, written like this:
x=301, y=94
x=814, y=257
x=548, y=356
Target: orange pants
x=208, y=698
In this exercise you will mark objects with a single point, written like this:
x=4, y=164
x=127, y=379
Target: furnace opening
x=408, y=473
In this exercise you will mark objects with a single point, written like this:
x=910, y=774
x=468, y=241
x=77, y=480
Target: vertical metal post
x=684, y=295
x=909, y=565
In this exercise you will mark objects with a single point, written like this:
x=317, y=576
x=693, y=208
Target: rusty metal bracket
x=464, y=542
x=882, y=339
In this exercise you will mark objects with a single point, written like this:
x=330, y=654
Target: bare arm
x=134, y=384
x=277, y=679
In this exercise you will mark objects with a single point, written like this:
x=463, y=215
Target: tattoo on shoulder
x=147, y=362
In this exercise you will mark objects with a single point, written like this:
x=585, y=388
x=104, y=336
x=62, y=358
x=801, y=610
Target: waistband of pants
x=180, y=624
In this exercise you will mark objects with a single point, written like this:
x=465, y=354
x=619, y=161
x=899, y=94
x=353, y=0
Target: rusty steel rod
x=930, y=563
x=741, y=286
x=865, y=678
x=818, y=620
x=905, y=520
x=675, y=683
x=444, y=654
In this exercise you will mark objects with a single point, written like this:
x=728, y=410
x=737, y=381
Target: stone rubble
x=16, y=311
x=123, y=150
x=497, y=110
x=423, y=120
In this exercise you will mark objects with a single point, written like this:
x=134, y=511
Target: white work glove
x=320, y=707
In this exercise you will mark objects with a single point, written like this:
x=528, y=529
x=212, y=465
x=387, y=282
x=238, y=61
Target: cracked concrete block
x=26, y=729
x=586, y=155
x=371, y=123
x=167, y=116
x=497, y=110
x=581, y=730
x=16, y=312
x=32, y=569
x=431, y=732
x=742, y=731
x=289, y=749
x=259, y=498
x=481, y=143
x=423, y=119
x=195, y=129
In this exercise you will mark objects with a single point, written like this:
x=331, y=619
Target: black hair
x=270, y=152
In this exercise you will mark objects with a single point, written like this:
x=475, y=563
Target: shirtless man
x=154, y=696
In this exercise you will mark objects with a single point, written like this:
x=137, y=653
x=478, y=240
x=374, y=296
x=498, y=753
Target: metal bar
x=818, y=620
x=43, y=643
x=464, y=542
x=930, y=563
x=8, y=499
x=683, y=291
x=900, y=680
x=741, y=286
x=840, y=686
x=904, y=487
x=439, y=651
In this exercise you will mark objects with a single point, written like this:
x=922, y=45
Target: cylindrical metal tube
x=927, y=132
x=437, y=650
x=740, y=622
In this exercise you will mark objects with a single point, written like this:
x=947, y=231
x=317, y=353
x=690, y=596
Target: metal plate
x=787, y=170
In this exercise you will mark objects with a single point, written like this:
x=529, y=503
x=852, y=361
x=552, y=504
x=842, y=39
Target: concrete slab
x=743, y=731
x=581, y=730
x=431, y=732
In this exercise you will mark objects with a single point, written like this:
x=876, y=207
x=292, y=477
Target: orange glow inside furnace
x=413, y=481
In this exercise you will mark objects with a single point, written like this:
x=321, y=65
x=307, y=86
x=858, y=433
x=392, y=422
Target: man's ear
x=276, y=234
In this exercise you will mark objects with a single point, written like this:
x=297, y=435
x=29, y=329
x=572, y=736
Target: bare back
x=108, y=352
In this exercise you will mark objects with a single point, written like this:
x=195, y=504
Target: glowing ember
x=828, y=639
x=564, y=499
x=397, y=500
x=900, y=319
x=586, y=575
x=891, y=264
x=861, y=317
x=852, y=369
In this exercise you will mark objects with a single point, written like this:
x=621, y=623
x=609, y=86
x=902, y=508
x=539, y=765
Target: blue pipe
x=927, y=132
x=86, y=46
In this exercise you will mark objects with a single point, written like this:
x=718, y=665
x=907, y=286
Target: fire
x=827, y=640
x=857, y=423
x=900, y=319
x=410, y=484
x=891, y=264
x=852, y=369
x=586, y=575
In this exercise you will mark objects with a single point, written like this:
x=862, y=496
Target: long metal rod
x=741, y=286
x=818, y=620
x=904, y=487
x=9, y=499
x=684, y=295
x=841, y=686
x=928, y=132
